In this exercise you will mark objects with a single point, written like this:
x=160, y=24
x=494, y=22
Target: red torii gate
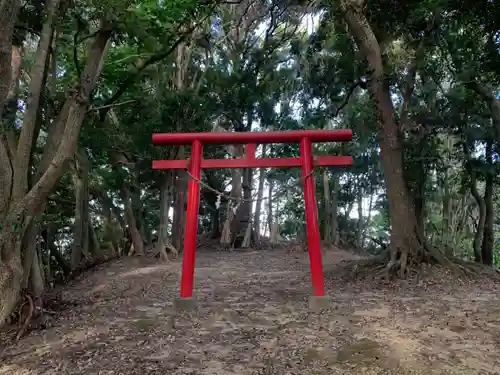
x=250, y=140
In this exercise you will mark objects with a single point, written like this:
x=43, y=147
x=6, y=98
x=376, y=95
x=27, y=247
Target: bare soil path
x=253, y=318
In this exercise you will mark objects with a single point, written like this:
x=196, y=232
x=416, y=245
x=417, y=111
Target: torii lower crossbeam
x=306, y=160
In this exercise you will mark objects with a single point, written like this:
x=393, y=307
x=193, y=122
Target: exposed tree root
x=382, y=267
x=88, y=264
x=35, y=313
x=27, y=313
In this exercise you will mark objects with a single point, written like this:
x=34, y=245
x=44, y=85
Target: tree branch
x=347, y=97
x=143, y=64
x=493, y=103
x=415, y=66
x=111, y=105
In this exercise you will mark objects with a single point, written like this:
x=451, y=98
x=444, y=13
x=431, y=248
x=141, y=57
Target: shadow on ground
x=253, y=319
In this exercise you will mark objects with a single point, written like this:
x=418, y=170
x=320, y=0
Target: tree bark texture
x=406, y=246
x=19, y=209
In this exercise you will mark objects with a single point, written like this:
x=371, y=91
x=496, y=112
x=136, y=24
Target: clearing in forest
x=253, y=319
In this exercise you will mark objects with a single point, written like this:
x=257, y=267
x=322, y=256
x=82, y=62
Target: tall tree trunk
x=260, y=193
x=419, y=190
x=48, y=235
x=359, y=232
x=270, y=206
x=27, y=136
x=241, y=219
x=130, y=225
x=22, y=208
x=335, y=214
x=327, y=235
x=488, y=236
x=214, y=201
x=406, y=246
x=37, y=283
x=459, y=220
x=135, y=195
x=8, y=119
x=367, y=222
x=82, y=219
x=180, y=186
x=478, y=236
x=8, y=17
x=215, y=230
x=94, y=246
x=447, y=230
x=164, y=209
x=29, y=250
x=33, y=119
x=180, y=177
x=232, y=224
x=113, y=232
x=132, y=229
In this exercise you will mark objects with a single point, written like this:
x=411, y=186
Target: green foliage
x=270, y=75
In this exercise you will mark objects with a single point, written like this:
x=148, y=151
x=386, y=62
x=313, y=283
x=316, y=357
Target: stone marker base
x=185, y=304
x=319, y=303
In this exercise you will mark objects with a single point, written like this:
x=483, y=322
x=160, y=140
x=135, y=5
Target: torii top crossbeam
x=291, y=136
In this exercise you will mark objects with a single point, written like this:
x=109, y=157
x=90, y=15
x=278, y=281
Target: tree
x=29, y=179
x=414, y=81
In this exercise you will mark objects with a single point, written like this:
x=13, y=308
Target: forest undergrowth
x=253, y=318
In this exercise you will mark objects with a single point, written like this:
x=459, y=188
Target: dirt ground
x=253, y=318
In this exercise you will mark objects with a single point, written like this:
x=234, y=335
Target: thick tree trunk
x=22, y=207
x=406, y=246
x=241, y=220
x=243, y=217
x=27, y=142
x=29, y=250
x=230, y=224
